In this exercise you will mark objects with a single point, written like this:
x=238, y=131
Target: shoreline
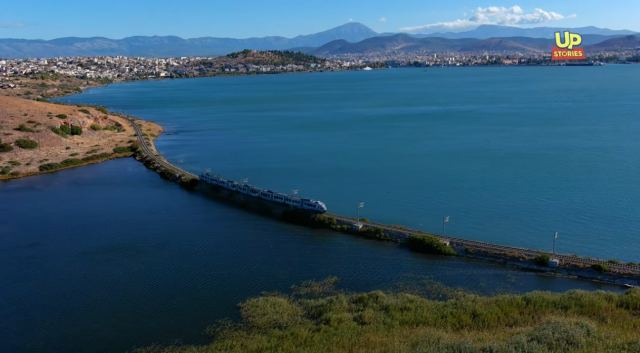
x=573, y=266
x=522, y=259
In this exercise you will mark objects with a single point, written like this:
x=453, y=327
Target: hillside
x=37, y=137
x=619, y=43
x=493, y=31
x=405, y=44
x=172, y=46
x=316, y=318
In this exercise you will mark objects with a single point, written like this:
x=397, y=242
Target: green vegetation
x=4, y=170
x=61, y=116
x=101, y=109
x=275, y=57
x=125, y=149
x=317, y=318
x=95, y=127
x=430, y=245
x=24, y=128
x=60, y=130
x=5, y=147
x=76, y=130
x=26, y=144
x=66, y=130
x=600, y=267
x=85, y=111
x=73, y=162
x=117, y=127
x=64, y=164
x=542, y=260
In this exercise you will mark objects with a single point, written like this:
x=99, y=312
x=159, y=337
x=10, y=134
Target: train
x=291, y=201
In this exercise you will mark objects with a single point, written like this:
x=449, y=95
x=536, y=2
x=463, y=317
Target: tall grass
x=332, y=321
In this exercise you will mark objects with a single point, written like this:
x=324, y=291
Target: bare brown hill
x=39, y=137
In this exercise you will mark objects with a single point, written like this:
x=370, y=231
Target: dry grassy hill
x=38, y=137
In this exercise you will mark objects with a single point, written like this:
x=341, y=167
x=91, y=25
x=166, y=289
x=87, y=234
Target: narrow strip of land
x=595, y=269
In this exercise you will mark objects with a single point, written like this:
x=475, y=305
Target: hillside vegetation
x=317, y=318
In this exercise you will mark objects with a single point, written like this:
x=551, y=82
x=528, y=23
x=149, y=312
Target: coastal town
x=122, y=68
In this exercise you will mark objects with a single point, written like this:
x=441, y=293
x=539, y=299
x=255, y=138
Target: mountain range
x=405, y=44
x=495, y=31
x=349, y=38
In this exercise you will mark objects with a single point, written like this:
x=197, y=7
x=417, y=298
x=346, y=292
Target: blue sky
x=233, y=18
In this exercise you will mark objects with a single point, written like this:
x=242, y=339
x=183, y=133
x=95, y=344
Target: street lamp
x=445, y=221
x=360, y=205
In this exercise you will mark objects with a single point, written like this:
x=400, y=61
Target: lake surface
x=512, y=155
x=110, y=256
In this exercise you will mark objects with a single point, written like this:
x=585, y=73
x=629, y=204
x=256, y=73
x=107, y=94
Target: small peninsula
x=40, y=137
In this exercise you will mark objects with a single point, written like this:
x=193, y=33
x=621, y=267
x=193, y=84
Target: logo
x=566, y=47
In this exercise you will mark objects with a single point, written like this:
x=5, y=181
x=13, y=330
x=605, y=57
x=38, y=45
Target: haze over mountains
x=349, y=38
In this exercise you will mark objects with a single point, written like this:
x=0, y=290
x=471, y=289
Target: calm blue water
x=511, y=154
x=107, y=257
x=110, y=256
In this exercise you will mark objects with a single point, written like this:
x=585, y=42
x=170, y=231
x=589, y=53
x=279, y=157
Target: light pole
x=555, y=237
x=445, y=220
x=360, y=205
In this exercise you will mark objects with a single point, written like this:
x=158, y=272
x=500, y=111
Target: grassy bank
x=317, y=318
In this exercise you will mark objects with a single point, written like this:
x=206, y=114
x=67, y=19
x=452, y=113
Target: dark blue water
x=511, y=154
x=110, y=256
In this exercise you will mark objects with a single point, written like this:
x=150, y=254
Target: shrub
x=76, y=130
x=430, y=245
x=5, y=170
x=58, y=131
x=123, y=149
x=542, y=260
x=84, y=111
x=95, y=127
x=24, y=128
x=26, y=144
x=404, y=322
x=600, y=267
x=103, y=110
x=5, y=147
x=61, y=116
x=49, y=167
x=117, y=127
x=270, y=312
x=96, y=157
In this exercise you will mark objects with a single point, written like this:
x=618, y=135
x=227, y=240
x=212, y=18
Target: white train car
x=295, y=202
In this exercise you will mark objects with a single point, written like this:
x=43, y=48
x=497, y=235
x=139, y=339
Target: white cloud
x=382, y=19
x=492, y=15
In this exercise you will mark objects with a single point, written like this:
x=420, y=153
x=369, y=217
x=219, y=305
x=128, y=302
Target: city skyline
x=119, y=19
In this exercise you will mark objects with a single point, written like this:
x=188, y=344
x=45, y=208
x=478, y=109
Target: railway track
x=150, y=154
x=502, y=249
